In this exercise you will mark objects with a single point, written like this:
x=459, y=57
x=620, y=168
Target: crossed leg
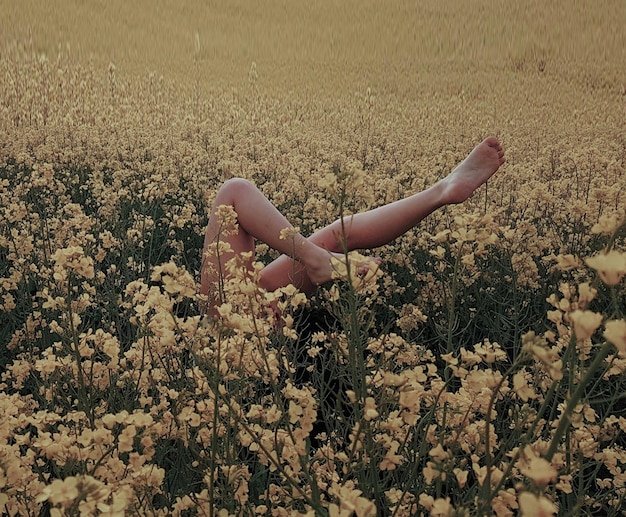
x=306, y=262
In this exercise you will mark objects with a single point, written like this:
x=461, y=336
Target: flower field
x=482, y=370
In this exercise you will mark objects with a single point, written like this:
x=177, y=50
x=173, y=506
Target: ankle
x=442, y=193
x=316, y=261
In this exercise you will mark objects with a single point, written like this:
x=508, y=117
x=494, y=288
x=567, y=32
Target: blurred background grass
x=332, y=47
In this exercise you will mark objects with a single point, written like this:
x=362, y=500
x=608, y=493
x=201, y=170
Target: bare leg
x=258, y=218
x=305, y=263
x=382, y=225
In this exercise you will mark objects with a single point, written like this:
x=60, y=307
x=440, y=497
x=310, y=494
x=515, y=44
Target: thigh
x=220, y=245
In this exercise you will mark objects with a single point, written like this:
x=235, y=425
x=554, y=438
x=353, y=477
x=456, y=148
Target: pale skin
x=306, y=262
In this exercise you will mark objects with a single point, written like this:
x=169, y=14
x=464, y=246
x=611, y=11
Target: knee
x=237, y=184
x=234, y=187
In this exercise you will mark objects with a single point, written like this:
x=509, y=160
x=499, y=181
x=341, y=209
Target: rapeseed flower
x=536, y=505
x=610, y=266
x=615, y=333
x=585, y=323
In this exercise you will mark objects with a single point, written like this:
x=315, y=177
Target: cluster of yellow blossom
x=446, y=387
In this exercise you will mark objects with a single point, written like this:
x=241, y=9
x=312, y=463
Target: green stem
x=452, y=302
x=82, y=388
x=486, y=488
x=513, y=460
x=213, y=461
x=565, y=421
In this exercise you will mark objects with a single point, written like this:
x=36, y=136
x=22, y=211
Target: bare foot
x=476, y=169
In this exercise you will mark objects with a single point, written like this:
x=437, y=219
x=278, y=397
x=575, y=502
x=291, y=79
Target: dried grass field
x=481, y=372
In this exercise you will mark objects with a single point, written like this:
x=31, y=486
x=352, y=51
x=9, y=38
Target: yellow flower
x=521, y=387
x=567, y=262
x=532, y=505
x=295, y=412
x=585, y=323
x=586, y=294
x=9, y=303
x=273, y=414
x=411, y=400
x=438, y=453
x=442, y=236
x=370, y=412
x=538, y=348
x=351, y=502
x=363, y=270
x=442, y=508
x=225, y=309
x=227, y=220
x=73, y=259
x=438, y=253
x=606, y=224
x=391, y=459
x=328, y=182
x=611, y=266
x=539, y=470
x=461, y=476
x=126, y=438
x=615, y=333
x=289, y=233
x=60, y=491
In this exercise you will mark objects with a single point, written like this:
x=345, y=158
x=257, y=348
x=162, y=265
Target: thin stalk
x=215, y=386
x=565, y=421
x=82, y=387
x=452, y=303
x=529, y=435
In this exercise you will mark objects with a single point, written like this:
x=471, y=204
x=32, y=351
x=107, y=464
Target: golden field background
x=514, y=64
x=494, y=337
x=329, y=46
